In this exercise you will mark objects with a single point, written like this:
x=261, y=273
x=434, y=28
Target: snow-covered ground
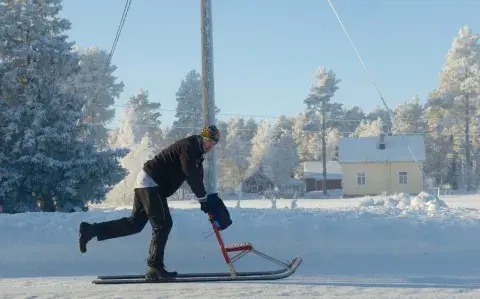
x=352, y=248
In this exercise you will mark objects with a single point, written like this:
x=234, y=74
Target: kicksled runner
x=219, y=220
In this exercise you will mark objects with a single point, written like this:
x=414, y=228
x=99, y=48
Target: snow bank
x=342, y=242
x=421, y=202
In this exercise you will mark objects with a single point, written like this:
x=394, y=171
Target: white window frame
x=403, y=178
x=361, y=178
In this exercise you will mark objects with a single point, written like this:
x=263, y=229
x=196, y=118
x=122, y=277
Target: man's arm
x=192, y=172
x=200, y=168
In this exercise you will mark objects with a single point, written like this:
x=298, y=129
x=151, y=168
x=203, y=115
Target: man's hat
x=211, y=132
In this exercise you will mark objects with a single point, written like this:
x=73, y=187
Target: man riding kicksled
x=161, y=177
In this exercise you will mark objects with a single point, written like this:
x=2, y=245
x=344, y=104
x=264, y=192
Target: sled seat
x=239, y=247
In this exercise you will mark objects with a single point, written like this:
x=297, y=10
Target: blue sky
x=266, y=51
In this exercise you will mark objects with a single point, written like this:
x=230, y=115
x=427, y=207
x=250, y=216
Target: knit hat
x=211, y=132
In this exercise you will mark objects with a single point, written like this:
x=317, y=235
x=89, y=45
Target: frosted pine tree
x=384, y=115
x=350, y=120
x=237, y=152
x=322, y=113
x=250, y=128
x=458, y=94
x=189, y=112
x=314, y=146
x=260, y=145
x=282, y=158
x=409, y=118
x=123, y=135
x=301, y=137
x=146, y=118
x=99, y=87
x=283, y=124
x=333, y=137
x=440, y=164
x=54, y=163
x=122, y=193
x=369, y=128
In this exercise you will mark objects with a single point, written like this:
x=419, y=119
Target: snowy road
x=297, y=287
x=409, y=250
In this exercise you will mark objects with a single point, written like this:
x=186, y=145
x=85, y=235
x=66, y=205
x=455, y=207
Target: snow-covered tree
x=99, y=87
x=409, y=118
x=321, y=112
x=283, y=124
x=123, y=135
x=314, y=146
x=333, y=137
x=189, y=112
x=440, y=164
x=146, y=118
x=52, y=161
x=260, y=145
x=237, y=152
x=350, y=120
x=458, y=93
x=122, y=193
x=221, y=146
x=384, y=115
x=369, y=128
x=249, y=129
x=282, y=157
x=301, y=137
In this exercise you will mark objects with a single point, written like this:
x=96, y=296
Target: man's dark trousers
x=148, y=205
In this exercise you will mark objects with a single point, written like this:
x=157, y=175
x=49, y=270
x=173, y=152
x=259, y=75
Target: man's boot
x=159, y=272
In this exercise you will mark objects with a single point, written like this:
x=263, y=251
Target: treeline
x=56, y=151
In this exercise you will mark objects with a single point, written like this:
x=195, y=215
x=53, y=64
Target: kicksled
x=285, y=270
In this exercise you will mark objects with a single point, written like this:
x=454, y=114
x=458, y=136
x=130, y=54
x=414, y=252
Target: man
x=160, y=178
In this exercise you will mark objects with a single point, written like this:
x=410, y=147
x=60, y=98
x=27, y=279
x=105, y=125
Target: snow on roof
x=366, y=149
x=317, y=166
x=314, y=170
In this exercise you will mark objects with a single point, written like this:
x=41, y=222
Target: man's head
x=211, y=136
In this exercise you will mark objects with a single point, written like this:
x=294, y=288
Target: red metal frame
x=220, y=240
x=228, y=248
x=243, y=249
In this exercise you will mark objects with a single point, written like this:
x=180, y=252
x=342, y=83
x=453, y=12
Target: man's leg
x=115, y=228
x=156, y=208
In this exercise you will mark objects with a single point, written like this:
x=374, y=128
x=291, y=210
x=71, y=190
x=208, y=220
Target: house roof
x=314, y=170
x=257, y=171
x=365, y=149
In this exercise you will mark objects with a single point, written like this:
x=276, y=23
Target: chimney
x=381, y=144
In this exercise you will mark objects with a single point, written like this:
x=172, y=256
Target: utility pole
x=324, y=149
x=208, y=93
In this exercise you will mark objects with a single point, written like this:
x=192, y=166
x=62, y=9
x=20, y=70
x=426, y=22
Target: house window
x=402, y=177
x=360, y=178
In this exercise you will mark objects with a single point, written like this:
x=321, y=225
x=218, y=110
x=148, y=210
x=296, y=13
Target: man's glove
x=204, y=202
x=204, y=206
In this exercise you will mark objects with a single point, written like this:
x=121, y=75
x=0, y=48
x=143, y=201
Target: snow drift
x=422, y=201
x=332, y=242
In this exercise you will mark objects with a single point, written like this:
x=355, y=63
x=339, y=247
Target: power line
x=304, y=131
x=374, y=83
x=270, y=116
x=126, y=9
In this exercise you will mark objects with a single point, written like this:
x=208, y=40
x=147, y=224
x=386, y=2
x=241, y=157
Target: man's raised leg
x=115, y=228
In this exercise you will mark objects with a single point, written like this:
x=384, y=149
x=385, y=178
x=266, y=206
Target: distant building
x=313, y=175
x=378, y=164
x=259, y=181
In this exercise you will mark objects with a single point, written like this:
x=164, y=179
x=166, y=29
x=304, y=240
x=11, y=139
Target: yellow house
x=377, y=164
